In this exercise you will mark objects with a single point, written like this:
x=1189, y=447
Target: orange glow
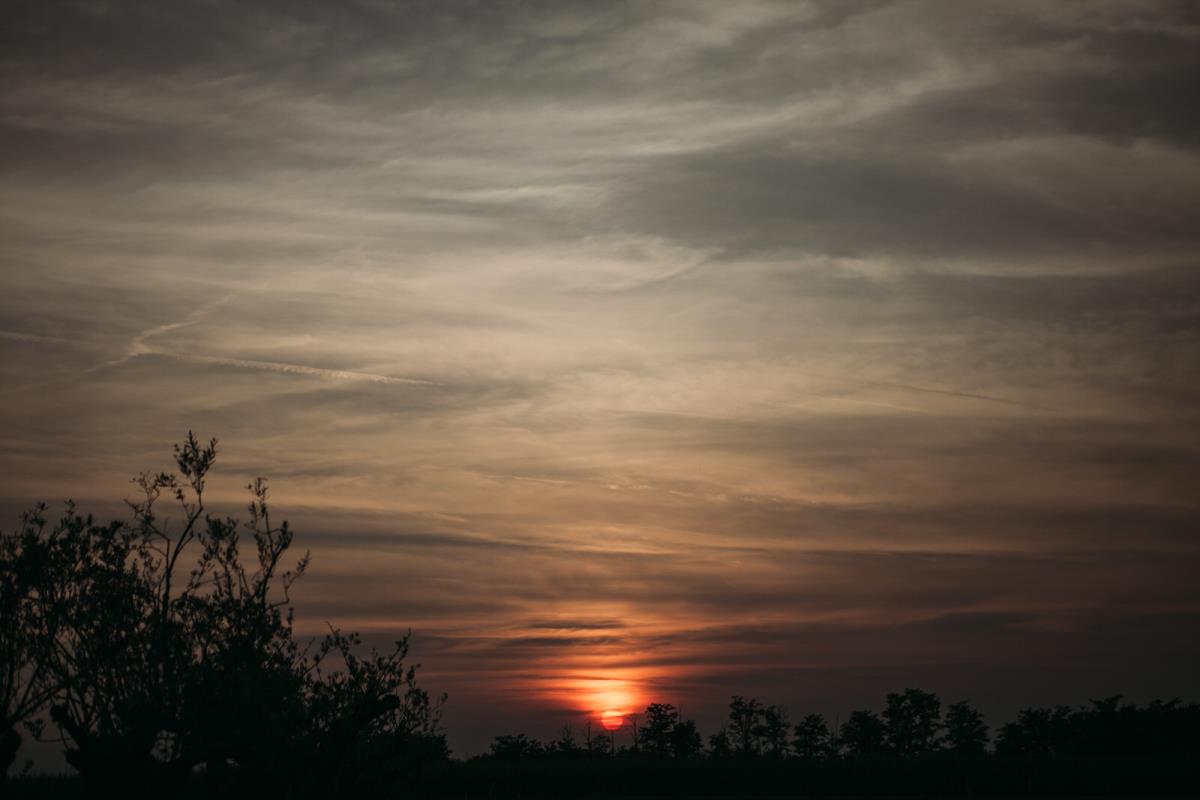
x=612, y=719
x=603, y=698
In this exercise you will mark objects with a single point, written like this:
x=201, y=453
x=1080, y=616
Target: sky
x=644, y=351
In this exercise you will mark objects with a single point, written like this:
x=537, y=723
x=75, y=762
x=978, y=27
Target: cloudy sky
x=639, y=351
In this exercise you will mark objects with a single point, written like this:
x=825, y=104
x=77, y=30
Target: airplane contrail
x=139, y=346
x=928, y=390
x=295, y=369
x=32, y=338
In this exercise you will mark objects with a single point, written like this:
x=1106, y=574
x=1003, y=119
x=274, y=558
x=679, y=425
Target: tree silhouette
x=368, y=723
x=1037, y=732
x=25, y=685
x=144, y=619
x=863, y=734
x=635, y=732
x=601, y=744
x=913, y=720
x=745, y=725
x=565, y=744
x=966, y=732
x=811, y=738
x=686, y=742
x=114, y=653
x=160, y=644
x=516, y=746
x=773, y=731
x=665, y=734
x=720, y=746
x=661, y=719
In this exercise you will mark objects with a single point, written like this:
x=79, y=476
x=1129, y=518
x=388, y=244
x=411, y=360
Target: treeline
x=913, y=747
x=911, y=726
x=160, y=654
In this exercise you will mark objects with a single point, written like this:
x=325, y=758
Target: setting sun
x=612, y=720
x=604, y=699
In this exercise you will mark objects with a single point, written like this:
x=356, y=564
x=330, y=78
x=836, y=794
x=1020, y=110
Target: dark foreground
x=632, y=777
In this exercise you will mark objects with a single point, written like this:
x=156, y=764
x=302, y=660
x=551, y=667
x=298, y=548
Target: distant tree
x=773, y=731
x=863, y=734
x=635, y=731
x=516, y=747
x=588, y=738
x=664, y=734
x=565, y=744
x=745, y=725
x=720, y=746
x=602, y=744
x=811, y=738
x=1037, y=732
x=686, y=742
x=913, y=721
x=661, y=719
x=966, y=732
x=1167, y=727
x=1108, y=727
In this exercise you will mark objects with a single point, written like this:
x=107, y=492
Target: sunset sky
x=638, y=351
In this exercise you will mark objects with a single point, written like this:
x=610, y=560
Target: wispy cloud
x=298, y=369
x=658, y=345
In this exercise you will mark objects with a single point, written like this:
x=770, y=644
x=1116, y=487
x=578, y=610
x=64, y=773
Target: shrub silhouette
x=24, y=684
x=162, y=644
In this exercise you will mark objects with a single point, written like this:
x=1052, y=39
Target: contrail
x=14, y=336
x=139, y=346
x=967, y=395
x=296, y=369
x=870, y=403
x=927, y=390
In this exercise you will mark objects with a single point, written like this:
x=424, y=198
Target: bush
x=157, y=648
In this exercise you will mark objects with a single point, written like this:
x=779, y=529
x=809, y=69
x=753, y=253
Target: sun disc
x=612, y=719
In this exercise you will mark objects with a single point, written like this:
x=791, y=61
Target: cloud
x=702, y=348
